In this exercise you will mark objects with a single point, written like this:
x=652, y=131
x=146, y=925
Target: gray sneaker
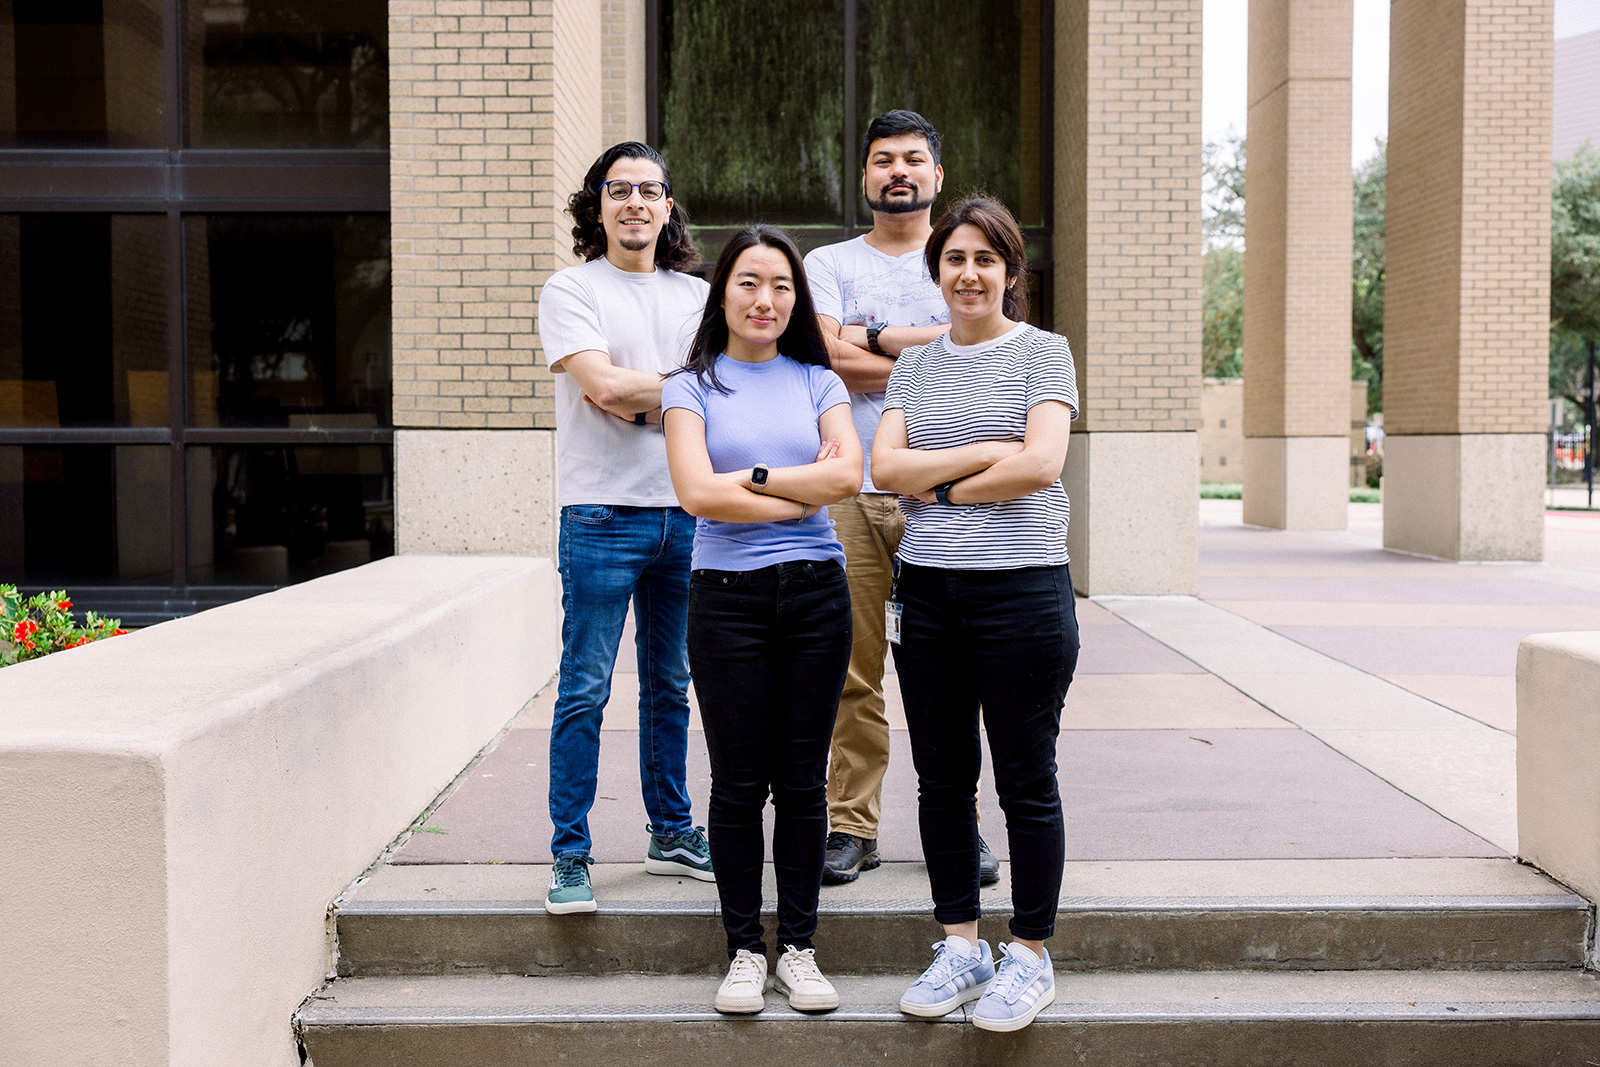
x=570, y=892
x=959, y=973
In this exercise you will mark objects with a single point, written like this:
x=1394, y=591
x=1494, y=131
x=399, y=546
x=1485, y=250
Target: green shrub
x=40, y=625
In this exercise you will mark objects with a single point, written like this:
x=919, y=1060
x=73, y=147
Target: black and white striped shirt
x=955, y=395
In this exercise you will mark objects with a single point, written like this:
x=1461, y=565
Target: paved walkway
x=1322, y=698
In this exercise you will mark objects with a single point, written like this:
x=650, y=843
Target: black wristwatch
x=872, y=337
x=758, y=476
x=941, y=493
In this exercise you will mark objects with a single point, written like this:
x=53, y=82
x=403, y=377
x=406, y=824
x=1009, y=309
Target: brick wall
x=1298, y=224
x=495, y=111
x=1467, y=246
x=1127, y=216
x=622, y=70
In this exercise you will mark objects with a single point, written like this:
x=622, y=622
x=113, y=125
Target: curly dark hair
x=675, y=249
x=801, y=339
x=990, y=216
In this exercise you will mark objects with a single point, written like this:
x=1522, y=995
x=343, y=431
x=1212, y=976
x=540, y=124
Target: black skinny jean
x=768, y=650
x=1005, y=641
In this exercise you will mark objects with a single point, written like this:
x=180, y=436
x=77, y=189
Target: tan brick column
x=1127, y=266
x=1467, y=277
x=496, y=111
x=1297, y=265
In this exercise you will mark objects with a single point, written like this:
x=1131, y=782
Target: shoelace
x=745, y=968
x=570, y=871
x=694, y=838
x=837, y=840
x=803, y=964
x=944, y=965
x=1012, y=976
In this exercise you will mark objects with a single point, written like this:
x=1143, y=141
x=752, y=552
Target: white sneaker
x=747, y=980
x=801, y=981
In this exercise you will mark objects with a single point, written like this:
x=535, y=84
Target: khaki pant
x=869, y=526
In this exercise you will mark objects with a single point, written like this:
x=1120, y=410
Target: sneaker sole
x=739, y=1006
x=800, y=1002
x=1005, y=1026
x=673, y=869
x=570, y=907
x=871, y=862
x=945, y=1007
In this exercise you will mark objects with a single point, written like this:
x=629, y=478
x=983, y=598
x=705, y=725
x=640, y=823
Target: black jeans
x=768, y=650
x=1005, y=641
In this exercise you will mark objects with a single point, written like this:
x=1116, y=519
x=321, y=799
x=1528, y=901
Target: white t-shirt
x=855, y=284
x=643, y=322
x=954, y=395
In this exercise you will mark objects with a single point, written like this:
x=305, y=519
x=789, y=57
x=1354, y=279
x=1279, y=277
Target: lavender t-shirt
x=768, y=416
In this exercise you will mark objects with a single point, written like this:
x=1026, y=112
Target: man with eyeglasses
x=612, y=328
x=875, y=299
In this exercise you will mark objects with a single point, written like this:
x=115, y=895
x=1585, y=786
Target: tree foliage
x=1222, y=270
x=1366, y=276
x=1574, y=271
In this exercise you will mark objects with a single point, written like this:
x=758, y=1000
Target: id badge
x=891, y=620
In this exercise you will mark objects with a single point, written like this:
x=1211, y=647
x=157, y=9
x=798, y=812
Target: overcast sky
x=1223, y=101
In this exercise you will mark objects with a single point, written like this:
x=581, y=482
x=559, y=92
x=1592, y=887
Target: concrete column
x=1297, y=265
x=1467, y=261
x=496, y=111
x=1127, y=266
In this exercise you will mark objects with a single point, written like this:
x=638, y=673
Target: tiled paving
x=1322, y=698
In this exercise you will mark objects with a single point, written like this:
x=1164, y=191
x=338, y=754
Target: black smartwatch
x=872, y=337
x=758, y=476
x=941, y=493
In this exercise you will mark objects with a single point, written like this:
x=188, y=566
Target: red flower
x=31, y=646
x=63, y=604
x=21, y=631
x=114, y=633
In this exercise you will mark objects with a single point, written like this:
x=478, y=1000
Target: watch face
x=759, y=474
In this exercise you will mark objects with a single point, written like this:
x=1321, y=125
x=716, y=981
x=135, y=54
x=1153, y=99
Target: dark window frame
x=1039, y=237
x=177, y=181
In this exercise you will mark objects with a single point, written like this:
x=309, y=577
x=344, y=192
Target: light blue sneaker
x=1023, y=986
x=570, y=891
x=959, y=974
x=686, y=855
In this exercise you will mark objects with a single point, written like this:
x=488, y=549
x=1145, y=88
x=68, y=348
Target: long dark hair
x=675, y=249
x=997, y=224
x=801, y=340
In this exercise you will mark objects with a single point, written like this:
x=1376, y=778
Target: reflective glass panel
x=288, y=73
x=85, y=514
x=752, y=109
x=81, y=74
x=274, y=514
x=973, y=70
x=83, y=321
x=288, y=320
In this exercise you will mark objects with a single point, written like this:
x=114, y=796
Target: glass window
x=974, y=71
x=81, y=74
x=752, y=109
x=288, y=73
x=83, y=321
x=275, y=514
x=99, y=514
x=289, y=320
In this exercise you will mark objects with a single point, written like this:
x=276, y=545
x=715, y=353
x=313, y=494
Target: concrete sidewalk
x=1322, y=698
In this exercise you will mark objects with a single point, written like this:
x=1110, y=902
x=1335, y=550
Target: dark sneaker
x=687, y=855
x=570, y=891
x=988, y=864
x=847, y=856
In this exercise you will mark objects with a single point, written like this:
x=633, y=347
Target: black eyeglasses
x=617, y=189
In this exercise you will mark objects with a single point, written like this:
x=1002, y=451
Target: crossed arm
x=618, y=390
x=863, y=370
x=790, y=492
x=983, y=473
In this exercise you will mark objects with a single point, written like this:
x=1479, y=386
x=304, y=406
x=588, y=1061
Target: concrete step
x=1423, y=914
x=1208, y=1019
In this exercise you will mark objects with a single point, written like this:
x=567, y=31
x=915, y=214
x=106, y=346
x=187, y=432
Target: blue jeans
x=611, y=555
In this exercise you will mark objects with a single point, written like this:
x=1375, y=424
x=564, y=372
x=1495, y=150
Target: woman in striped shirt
x=973, y=437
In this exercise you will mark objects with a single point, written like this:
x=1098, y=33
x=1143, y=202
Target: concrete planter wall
x=181, y=804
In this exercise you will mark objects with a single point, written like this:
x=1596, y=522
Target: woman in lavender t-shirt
x=759, y=441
